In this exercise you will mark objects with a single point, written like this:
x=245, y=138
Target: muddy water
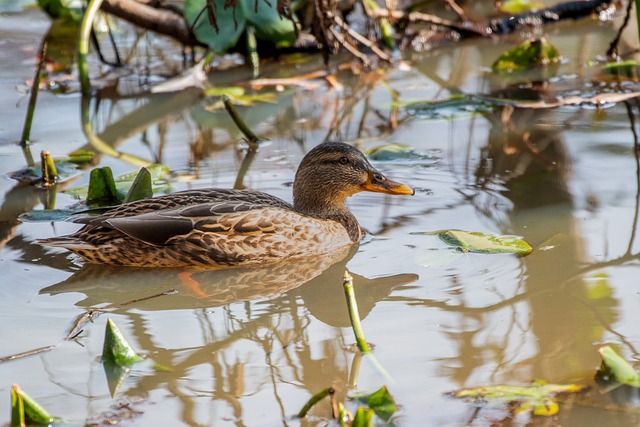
x=249, y=347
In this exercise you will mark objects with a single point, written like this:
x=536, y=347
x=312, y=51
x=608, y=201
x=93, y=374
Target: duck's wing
x=240, y=217
x=184, y=199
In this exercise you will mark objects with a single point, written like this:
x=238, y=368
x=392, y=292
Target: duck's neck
x=332, y=211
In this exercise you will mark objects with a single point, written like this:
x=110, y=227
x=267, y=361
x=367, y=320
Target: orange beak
x=378, y=183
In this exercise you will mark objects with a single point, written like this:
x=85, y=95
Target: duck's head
x=333, y=171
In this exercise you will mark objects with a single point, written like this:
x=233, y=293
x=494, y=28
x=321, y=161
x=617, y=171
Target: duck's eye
x=343, y=160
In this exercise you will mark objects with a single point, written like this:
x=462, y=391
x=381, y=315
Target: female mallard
x=221, y=228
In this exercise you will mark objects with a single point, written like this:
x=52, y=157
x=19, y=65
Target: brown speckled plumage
x=221, y=228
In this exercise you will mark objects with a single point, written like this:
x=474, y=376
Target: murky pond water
x=249, y=347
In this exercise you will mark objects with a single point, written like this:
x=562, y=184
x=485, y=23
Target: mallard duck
x=223, y=228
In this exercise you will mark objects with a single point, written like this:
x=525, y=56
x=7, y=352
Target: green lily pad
x=538, y=398
x=380, y=401
x=229, y=22
x=616, y=368
x=484, y=243
x=528, y=54
x=65, y=168
x=25, y=410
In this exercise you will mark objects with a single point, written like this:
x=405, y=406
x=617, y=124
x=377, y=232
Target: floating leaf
x=123, y=183
x=513, y=7
x=528, y=54
x=618, y=368
x=380, y=401
x=363, y=418
x=81, y=156
x=65, y=167
x=25, y=410
x=484, y=243
x=538, y=398
x=628, y=68
x=48, y=215
x=141, y=187
x=102, y=188
x=116, y=349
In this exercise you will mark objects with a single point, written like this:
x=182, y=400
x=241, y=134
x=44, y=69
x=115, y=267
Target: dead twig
x=362, y=40
x=351, y=48
x=458, y=10
x=26, y=353
x=465, y=29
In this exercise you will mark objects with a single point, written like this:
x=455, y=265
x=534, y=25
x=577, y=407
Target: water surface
x=249, y=347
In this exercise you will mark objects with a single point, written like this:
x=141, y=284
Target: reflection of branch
x=99, y=144
x=612, y=52
x=636, y=153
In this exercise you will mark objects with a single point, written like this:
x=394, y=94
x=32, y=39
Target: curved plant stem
x=352, y=306
x=83, y=44
x=252, y=51
x=251, y=137
x=31, y=108
x=315, y=399
x=98, y=143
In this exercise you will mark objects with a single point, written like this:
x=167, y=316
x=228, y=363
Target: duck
x=218, y=228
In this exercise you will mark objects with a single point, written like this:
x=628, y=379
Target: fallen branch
x=162, y=21
x=559, y=12
x=464, y=29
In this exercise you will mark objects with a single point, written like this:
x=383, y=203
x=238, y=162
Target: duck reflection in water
x=317, y=280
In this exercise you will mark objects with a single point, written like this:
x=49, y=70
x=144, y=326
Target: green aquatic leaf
x=618, y=368
x=538, y=398
x=363, y=418
x=513, y=7
x=102, y=188
x=484, y=243
x=123, y=183
x=629, y=68
x=25, y=410
x=65, y=167
x=116, y=349
x=48, y=215
x=528, y=54
x=268, y=23
x=380, y=401
x=62, y=8
x=81, y=157
x=141, y=188
x=391, y=152
x=232, y=22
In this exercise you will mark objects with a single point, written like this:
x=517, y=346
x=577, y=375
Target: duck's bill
x=377, y=185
